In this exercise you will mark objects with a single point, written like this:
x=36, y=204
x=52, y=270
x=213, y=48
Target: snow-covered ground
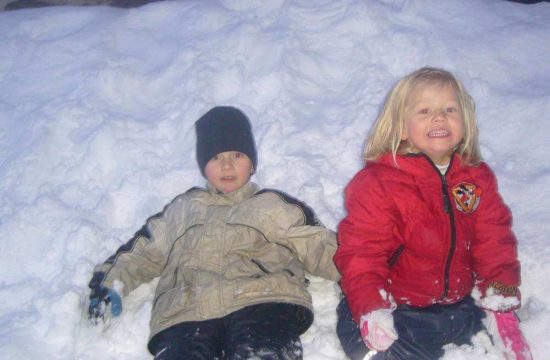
x=97, y=107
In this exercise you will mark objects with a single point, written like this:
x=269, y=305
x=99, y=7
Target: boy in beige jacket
x=231, y=259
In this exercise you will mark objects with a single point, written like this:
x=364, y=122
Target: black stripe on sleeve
x=143, y=232
x=96, y=281
x=310, y=218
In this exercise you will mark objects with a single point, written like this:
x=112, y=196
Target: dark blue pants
x=268, y=331
x=422, y=331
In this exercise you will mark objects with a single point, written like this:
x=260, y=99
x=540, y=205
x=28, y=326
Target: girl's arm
x=366, y=242
x=494, y=249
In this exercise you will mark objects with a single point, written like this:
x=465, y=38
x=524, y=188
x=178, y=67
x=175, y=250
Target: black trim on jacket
x=309, y=215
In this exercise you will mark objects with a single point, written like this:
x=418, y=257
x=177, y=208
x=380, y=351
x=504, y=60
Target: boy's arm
x=142, y=258
x=315, y=246
x=134, y=263
x=298, y=228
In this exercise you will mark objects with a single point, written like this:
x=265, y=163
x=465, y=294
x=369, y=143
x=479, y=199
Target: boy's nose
x=227, y=163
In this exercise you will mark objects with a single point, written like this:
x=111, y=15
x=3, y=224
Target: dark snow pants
x=268, y=331
x=422, y=331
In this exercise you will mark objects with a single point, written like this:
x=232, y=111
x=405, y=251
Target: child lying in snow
x=231, y=259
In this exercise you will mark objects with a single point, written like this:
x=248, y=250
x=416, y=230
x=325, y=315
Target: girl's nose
x=439, y=115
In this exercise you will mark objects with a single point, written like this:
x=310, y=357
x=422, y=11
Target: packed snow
x=97, y=108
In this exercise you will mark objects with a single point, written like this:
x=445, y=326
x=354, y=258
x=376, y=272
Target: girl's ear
x=404, y=136
x=404, y=130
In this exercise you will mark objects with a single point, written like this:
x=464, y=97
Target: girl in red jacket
x=426, y=232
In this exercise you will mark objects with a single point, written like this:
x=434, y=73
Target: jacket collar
x=235, y=197
x=418, y=164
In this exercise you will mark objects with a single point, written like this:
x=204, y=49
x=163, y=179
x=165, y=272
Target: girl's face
x=433, y=121
x=229, y=171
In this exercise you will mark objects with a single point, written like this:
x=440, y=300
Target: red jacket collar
x=416, y=164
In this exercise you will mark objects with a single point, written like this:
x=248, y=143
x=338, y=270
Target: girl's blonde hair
x=385, y=135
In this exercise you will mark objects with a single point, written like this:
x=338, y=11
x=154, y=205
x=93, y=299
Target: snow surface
x=97, y=107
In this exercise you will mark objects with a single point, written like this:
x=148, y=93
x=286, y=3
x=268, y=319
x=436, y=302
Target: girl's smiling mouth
x=438, y=133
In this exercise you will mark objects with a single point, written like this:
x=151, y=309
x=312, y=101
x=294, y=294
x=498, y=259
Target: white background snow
x=97, y=107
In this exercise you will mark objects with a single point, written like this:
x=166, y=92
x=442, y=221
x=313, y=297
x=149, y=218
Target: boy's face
x=433, y=121
x=229, y=171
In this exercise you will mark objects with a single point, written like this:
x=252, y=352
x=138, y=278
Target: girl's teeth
x=438, y=133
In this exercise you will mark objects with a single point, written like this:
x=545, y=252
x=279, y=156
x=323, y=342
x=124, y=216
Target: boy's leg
x=198, y=340
x=267, y=331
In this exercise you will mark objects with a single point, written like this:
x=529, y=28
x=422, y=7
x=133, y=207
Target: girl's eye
x=424, y=111
x=452, y=109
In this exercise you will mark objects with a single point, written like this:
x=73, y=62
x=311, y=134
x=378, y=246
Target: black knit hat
x=224, y=128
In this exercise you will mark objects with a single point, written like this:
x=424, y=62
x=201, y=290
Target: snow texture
x=97, y=107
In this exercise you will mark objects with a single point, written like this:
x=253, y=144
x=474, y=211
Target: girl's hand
x=504, y=329
x=377, y=329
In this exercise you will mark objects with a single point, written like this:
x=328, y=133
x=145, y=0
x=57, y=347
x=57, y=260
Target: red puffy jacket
x=423, y=237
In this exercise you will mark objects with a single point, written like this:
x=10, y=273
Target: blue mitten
x=100, y=298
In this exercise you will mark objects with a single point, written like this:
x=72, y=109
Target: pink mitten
x=504, y=327
x=377, y=329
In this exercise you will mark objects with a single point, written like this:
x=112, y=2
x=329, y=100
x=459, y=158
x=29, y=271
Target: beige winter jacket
x=217, y=253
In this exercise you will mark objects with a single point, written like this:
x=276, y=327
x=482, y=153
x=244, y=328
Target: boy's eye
x=216, y=157
x=237, y=154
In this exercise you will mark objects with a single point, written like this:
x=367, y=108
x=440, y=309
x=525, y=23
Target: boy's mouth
x=438, y=133
x=228, y=178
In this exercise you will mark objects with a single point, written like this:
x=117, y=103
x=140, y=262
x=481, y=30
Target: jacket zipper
x=448, y=210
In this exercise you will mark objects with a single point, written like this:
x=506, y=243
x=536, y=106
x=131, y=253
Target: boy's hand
x=504, y=328
x=377, y=329
x=100, y=298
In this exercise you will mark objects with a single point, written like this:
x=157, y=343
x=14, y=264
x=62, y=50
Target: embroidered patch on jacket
x=467, y=197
